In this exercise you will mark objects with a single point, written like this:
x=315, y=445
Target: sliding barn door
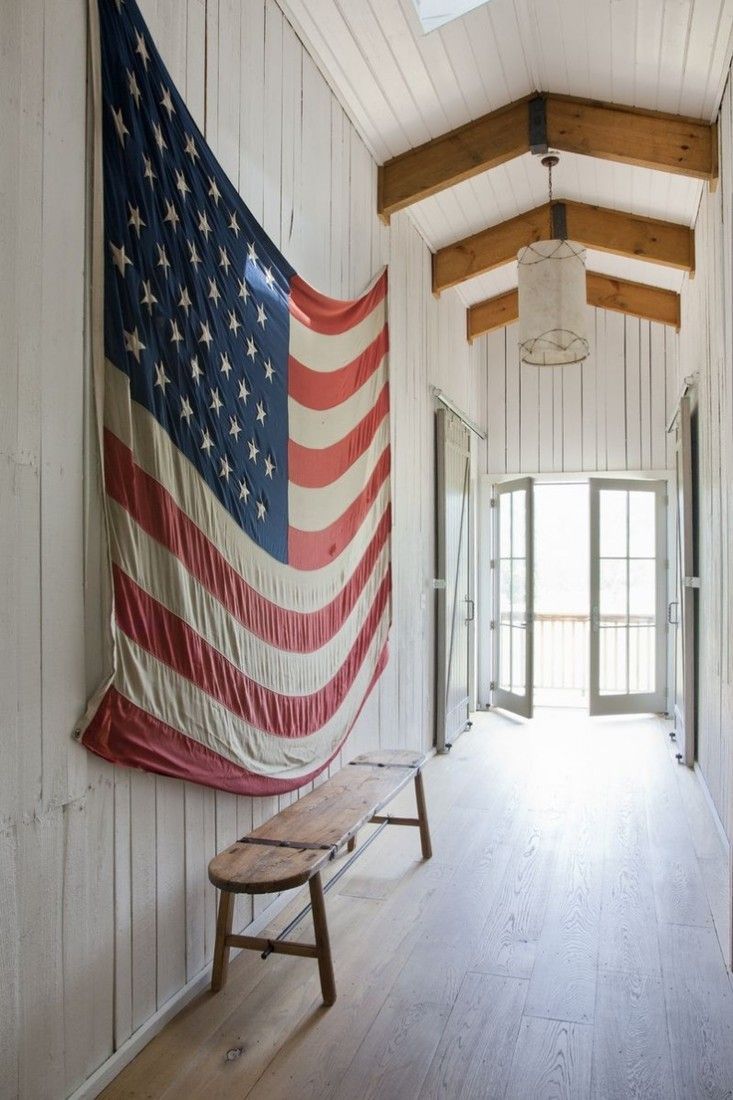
x=628, y=592
x=684, y=607
x=454, y=603
x=513, y=623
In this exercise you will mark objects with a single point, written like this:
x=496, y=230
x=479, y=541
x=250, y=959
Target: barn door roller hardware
x=438, y=394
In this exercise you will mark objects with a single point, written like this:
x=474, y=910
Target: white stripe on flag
x=324, y=352
x=179, y=703
x=318, y=428
x=166, y=579
x=316, y=509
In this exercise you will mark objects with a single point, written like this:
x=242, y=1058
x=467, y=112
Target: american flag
x=246, y=460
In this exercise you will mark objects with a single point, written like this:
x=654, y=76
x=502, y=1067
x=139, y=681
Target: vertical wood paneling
x=107, y=909
x=608, y=413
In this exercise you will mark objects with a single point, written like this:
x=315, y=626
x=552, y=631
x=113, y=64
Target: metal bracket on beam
x=538, y=125
x=559, y=221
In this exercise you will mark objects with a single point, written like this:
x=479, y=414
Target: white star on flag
x=133, y=87
x=166, y=102
x=161, y=378
x=122, y=131
x=142, y=49
x=120, y=258
x=133, y=343
x=135, y=219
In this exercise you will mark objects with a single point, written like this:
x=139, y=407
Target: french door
x=628, y=591
x=512, y=626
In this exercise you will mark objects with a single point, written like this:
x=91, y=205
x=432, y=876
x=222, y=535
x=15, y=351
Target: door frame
x=484, y=556
x=656, y=702
x=523, y=706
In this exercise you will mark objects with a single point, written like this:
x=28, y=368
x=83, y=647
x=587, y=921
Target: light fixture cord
x=549, y=188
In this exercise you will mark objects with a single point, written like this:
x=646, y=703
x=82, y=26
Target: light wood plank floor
x=563, y=942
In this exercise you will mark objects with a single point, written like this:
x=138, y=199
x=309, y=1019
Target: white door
x=684, y=608
x=454, y=604
x=628, y=589
x=513, y=623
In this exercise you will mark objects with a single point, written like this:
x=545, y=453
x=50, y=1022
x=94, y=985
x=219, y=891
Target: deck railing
x=562, y=653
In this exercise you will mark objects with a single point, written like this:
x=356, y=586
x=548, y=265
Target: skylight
x=434, y=13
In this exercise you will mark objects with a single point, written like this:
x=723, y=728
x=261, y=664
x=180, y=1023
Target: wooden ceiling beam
x=453, y=157
x=652, y=303
x=630, y=235
x=649, y=139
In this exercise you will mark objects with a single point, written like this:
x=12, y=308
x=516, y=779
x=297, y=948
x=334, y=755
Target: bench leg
x=351, y=844
x=221, y=948
x=422, y=815
x=325, y=963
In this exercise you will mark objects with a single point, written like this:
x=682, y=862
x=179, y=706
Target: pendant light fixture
x=553, y=311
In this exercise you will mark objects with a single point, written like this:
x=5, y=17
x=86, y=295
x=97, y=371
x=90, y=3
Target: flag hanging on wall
x=244, y=427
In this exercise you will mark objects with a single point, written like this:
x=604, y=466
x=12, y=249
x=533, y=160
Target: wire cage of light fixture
x=553, y=310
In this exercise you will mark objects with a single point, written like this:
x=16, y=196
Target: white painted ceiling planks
x=402, y=87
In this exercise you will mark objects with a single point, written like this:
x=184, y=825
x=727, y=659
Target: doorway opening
x=580, y=595
x=562, y=594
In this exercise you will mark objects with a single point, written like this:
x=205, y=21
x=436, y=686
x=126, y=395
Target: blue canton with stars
x=196, y=295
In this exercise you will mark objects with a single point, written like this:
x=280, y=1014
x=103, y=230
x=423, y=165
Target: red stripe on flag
x=325, y=389
x=314, y=549
x=331, y=315
x=123, y=733
x=315, y=468
x=153, y=508
x=176, y=644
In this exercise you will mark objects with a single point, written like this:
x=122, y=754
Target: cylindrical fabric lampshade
x=553, y=311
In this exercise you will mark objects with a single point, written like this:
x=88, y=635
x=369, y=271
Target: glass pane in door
x=513, y=597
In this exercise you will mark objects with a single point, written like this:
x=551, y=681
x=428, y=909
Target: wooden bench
x=294, y=846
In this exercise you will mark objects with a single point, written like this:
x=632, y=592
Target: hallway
x=561, y=943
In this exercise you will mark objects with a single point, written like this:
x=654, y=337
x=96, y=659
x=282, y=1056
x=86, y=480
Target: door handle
x=673, y=621
x=472, y=609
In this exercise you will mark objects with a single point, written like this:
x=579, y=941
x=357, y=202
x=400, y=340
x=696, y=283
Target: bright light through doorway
x=435, y=13
x=562, y=597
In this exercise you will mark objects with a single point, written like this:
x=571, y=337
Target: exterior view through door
x=579, y=595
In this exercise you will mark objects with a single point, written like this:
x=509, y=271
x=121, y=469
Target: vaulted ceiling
x=403, y=88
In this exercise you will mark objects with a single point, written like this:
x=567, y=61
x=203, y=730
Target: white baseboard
x=712, y=807
x=107, y=1072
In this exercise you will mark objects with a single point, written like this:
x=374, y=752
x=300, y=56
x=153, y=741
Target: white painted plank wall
x=106, y=908
x=705, y=349
x=609, y=413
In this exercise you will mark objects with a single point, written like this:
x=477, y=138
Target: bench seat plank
x=407, y=758
x=327, y=817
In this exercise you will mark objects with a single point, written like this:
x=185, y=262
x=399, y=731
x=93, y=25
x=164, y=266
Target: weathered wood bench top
x=294, y=845
x=307, y=834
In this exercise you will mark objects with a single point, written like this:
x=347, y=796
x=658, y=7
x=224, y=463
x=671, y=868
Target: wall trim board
x=550, y=478
x=712, y=807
